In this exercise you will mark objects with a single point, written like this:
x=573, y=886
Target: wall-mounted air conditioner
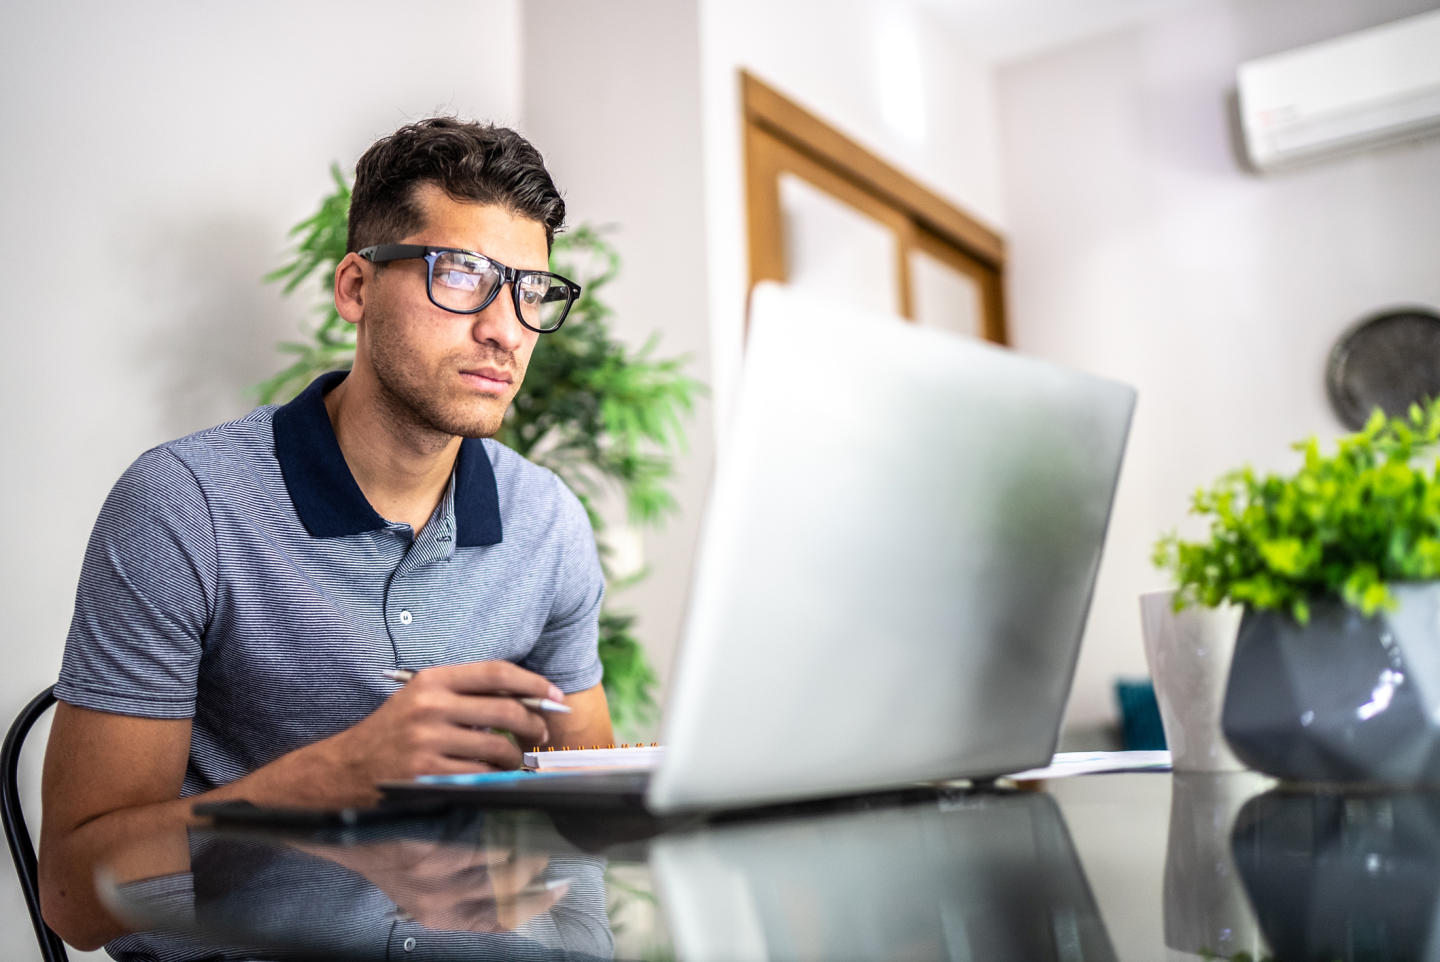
x=1360, y=90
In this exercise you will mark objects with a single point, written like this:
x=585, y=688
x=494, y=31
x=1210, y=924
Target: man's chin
x=483, y=431
x=484, y=424
x=472, y=428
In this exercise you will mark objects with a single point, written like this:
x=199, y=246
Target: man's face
x=454, y=374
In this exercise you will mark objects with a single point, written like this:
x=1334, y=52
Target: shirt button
x=406, y=617
x=409, y=943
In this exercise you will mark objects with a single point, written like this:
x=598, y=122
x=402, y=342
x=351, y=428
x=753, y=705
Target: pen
x=402, y=675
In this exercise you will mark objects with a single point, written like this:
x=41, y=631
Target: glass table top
x=1101, y=867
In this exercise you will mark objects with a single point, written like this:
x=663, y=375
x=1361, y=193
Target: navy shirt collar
x=331, y=504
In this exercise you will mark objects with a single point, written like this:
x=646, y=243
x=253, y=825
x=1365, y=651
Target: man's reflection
x=473, y=889
x=453, y=887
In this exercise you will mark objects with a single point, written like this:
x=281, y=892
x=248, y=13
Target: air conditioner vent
x=1369, y=88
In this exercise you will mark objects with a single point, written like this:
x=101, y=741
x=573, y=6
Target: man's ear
x=350, y=276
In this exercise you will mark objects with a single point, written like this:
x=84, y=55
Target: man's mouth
x=488, y=379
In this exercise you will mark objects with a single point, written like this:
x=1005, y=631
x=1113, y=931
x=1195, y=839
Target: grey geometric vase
x=1343, y=699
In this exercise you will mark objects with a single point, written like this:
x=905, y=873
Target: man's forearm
x=132, y=844
x=146, y=841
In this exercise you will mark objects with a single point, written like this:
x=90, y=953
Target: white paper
x=1065, y=764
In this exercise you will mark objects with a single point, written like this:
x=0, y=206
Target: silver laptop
x=896, y=564
x=895, y=568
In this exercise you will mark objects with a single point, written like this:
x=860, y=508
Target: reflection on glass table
x=980, y=876
x=465, y=886
x=1134, y=868
x=955, y=875
x=1349, y=876
x=1206, y=912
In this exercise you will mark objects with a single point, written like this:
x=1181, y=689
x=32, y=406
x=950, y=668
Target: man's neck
x=402, y=469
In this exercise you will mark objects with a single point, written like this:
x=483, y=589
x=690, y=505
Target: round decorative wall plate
x=1390, y=360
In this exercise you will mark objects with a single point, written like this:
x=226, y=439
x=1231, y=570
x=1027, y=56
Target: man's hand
x=440, y=722
x=452, y=886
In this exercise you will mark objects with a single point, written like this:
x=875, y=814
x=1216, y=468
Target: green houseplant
x=1344, y=525
x=1335, y=675
x=595, y=412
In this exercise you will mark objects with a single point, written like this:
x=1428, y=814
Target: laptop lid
x=896, y=563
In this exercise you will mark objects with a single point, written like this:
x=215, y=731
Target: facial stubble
x=431, y=400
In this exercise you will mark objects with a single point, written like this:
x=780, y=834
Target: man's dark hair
x=474, y=163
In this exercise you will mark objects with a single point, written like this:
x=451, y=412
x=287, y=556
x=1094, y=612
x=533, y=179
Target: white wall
x=612, y=98
x=156, y=154
x=890, y=76
x=1141, y=250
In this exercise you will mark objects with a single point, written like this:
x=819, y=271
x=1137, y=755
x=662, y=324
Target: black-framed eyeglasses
x=464, y=282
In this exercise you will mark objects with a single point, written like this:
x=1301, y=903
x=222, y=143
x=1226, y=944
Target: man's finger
x=479, y=746
x=489, y=711
x=514, y=912
x=487, y=677
x=513, y=877
x=505, y=914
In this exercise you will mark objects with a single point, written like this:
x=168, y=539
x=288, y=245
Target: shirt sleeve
x=567, y=650
x=146, y=595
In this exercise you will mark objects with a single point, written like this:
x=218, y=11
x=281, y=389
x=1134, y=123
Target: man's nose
x=499, y=323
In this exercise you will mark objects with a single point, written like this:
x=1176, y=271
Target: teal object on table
x=1140, y=726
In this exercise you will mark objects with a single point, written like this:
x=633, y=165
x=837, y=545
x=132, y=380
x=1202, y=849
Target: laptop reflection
x=980, y=876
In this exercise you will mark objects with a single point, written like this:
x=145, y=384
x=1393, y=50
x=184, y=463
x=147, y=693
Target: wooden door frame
x=779, y=133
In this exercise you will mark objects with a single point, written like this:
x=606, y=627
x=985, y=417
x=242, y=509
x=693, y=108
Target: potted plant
x=1336, y=670
x=595, y=412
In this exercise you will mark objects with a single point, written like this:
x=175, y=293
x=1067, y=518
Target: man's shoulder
x=257, y=425
x=243, y=439
x=206, y=456
x=174, y=486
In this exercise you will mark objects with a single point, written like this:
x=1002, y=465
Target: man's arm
x=104, y=775
x=110, y=778
x=587, y=724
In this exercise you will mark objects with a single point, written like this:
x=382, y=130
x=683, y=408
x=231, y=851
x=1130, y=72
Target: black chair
x=51, y=948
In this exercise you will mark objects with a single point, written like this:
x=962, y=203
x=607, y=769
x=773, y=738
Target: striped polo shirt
x=239, y=577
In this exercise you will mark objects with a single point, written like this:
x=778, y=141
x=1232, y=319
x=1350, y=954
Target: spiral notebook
x=643, y=757
x=895, y=568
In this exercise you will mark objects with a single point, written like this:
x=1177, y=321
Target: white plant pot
x=1189, y=656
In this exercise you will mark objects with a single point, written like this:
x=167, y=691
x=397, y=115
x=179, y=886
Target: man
x=251, y=591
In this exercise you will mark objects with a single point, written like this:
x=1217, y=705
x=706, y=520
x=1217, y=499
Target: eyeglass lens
x=462, y=282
